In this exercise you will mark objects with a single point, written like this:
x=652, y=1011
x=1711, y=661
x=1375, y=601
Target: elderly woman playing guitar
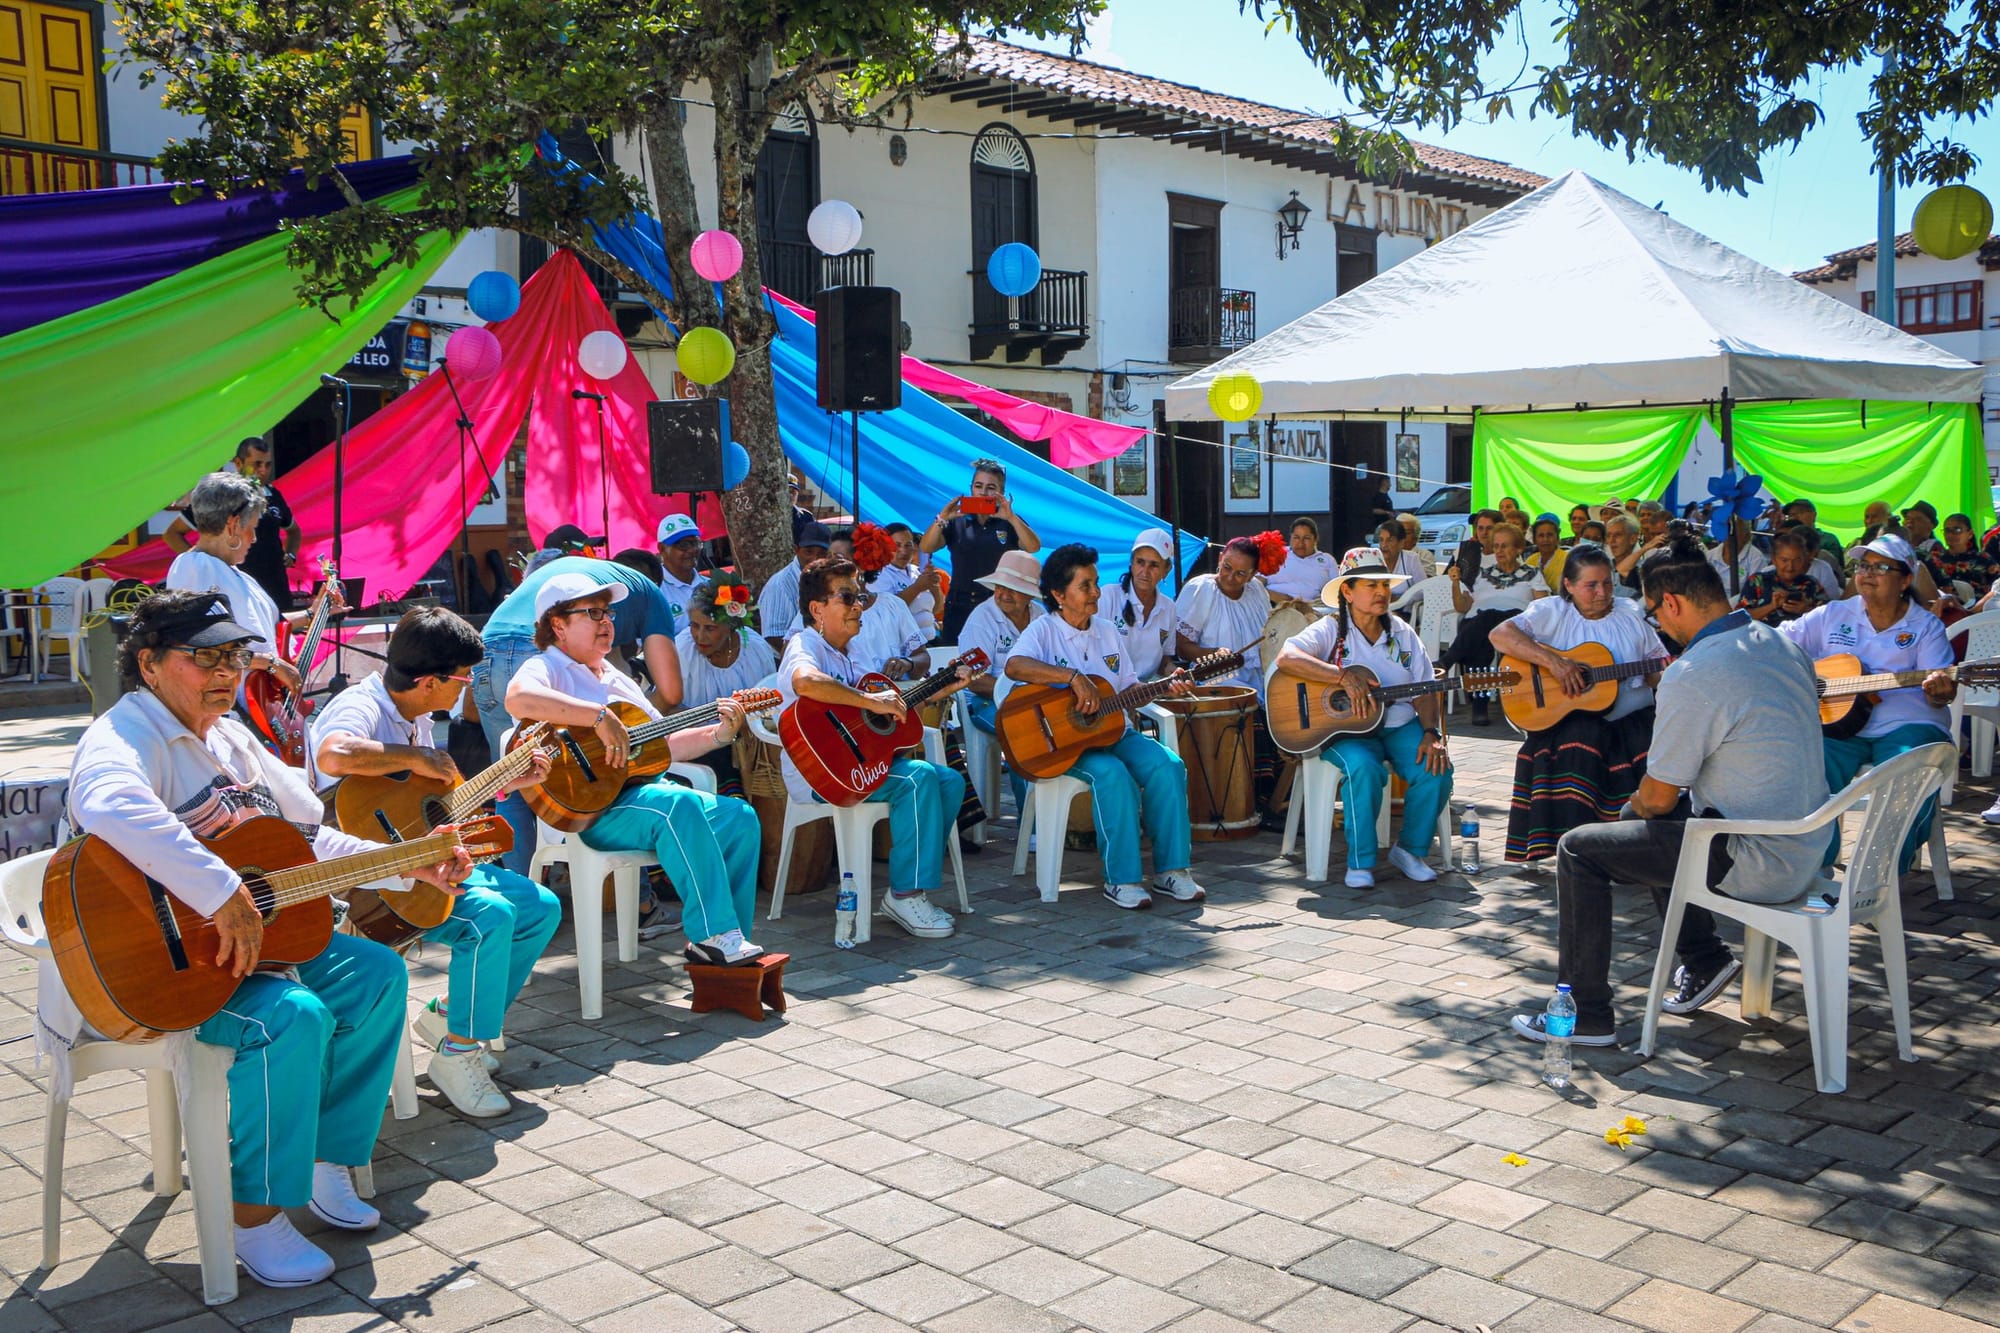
x=707, y=845
x=1583, y=767
x=1362, y=639
x=1134, y=784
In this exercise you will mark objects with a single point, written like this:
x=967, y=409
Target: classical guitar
x=582, y=785
x=140, y=963
x=1043, y=734
x=396, y=808
x=844, y=751
x=1847, y=694
x=1305, y=714
x=278, y=712
x=1538, y=702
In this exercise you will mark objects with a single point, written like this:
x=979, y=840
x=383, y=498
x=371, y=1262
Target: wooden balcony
x=1054, y=317
x=797, y=269
x=1208, y=323
x=27, y=167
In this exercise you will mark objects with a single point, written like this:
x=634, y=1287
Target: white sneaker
x=1180, y=886
x=335, y=1203
x=729, y=949
x=1360, y=879
x=1131, y=897
x=463, y=1078
x=1414, y=867
x=278, y=1256
x=919, y=915
x=1991, y=814
x=432, y=1025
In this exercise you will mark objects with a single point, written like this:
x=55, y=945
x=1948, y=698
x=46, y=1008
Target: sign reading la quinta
x=1393, y=212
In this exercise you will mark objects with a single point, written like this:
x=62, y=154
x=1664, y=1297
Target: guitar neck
x=477, y=790
x=1627, y=670
x=315, y=626
x=1143, y=693
x=318, y=879
x=1882, y=680
x=683, y=721
x=1416, y=689
x=924, y=690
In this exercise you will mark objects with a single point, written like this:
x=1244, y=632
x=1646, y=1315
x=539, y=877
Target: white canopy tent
x=1578, y=296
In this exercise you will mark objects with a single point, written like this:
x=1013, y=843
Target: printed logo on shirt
x=1841, y=636
x=1905, y=639
x=1111, y=661
x=223, y=804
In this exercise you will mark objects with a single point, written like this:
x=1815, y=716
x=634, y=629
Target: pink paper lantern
x=716, y=255
x=472, y=353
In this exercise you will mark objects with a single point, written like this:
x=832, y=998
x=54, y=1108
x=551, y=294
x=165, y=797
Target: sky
x=1816, y=199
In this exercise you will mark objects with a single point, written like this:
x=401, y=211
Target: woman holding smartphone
x=977, y=529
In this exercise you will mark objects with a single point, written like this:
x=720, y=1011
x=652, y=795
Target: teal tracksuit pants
x=982, y=714
x=1846, y=757
x=1137, y=785
x=1365, y=763
x=923, y=800
x=496, y=931
x=707, y=847
x=313, y=1062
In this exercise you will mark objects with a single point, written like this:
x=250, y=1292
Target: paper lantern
x=716, y=255
x=1014, y=269
x=601, y=354
x=735, y=465
x=1952, y=222
x=472, y=353
x=834, y=227
x=706, y=355
x=493, y=296
x=1235, y=397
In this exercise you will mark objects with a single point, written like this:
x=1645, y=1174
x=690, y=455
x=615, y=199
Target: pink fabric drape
x=402, y=505
x=1074, y=441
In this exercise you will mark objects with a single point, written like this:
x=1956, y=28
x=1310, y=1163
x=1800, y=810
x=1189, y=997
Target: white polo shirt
x=1095, y=650
x=988, y=628
x=252, y=607
x=1916, y=642
x=1396, y=657
x=808, y=648
x=677, y=593
x=555, y=670
x=1149, y=636
x=1556, y=623
x=363, y=710
x=1303, y=577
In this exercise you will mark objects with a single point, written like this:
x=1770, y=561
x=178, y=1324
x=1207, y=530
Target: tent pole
x=1728, y=433
x=1885, y=224
x=1173, y=445
x=854, y=446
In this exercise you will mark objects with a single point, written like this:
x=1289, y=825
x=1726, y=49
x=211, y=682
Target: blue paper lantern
x=1014, y=269
x=1733, y=496
x=493, y=296
x=735, y=465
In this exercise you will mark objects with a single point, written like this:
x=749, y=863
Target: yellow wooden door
x=48, y=95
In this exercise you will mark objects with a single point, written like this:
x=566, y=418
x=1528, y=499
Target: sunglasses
x=209, y=659
x=852, y=597
x=598, y=614
x=456, y=680
x=1871, y=567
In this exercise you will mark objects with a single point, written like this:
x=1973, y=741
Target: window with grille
x=1944, y=307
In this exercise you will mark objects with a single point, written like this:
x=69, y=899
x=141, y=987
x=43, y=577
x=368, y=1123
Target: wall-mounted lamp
x=1291, y=221
x=899, y=150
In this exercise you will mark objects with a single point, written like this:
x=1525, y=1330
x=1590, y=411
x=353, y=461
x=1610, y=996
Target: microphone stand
x=343, y=412
x=464, y=499
x=603, y=463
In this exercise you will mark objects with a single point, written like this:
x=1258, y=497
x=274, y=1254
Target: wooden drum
x=1218, y=743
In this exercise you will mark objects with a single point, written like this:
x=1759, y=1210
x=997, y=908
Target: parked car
x=1445, y=516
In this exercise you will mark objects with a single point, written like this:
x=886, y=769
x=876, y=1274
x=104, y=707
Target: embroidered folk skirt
x=1578, y=772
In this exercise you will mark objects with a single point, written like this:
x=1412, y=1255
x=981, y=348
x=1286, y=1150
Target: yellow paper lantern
x=1235, y=397
x=1952, y=222
x=706, y=355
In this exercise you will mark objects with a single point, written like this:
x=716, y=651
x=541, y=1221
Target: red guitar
x=278, y=713
x=844, y=751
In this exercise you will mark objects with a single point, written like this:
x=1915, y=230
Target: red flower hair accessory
x=873, y=548
x=1271, y=552
x=732, y=597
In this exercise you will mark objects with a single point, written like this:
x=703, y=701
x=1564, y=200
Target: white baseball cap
x=676, y=526
x=1159, y=540
x=570, y=587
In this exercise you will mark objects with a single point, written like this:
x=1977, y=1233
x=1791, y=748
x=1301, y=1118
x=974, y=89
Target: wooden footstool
x=747, y=989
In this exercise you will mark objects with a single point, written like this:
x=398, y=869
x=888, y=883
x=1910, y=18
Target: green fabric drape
x=1550, y=461
x=1844, y=459
x=115, y=410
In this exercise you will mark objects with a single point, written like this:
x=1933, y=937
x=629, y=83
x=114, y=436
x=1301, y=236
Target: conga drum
x=1218, y=746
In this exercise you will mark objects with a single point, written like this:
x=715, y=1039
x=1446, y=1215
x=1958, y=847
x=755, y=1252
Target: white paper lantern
x=601, y=354
x=834, y=227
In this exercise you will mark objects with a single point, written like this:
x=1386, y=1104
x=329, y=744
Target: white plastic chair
x=1891, y=795
x=1437, y=622
x=67, y=602
x=853, y=838
x=1047, y=809
x=1318, y=785
x=982, y=762
x=1982, y=705
x=97, y=594
x=206, y=1130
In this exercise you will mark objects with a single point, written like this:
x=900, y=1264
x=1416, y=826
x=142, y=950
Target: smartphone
x=977, y=504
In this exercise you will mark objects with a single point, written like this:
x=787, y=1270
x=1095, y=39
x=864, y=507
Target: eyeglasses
x=852, y=597
x=1871, y=567
x=1955, y=527
x=209, y=659
x=598, y=614
x=457, y=680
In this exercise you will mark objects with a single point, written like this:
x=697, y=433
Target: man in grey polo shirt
x=1734, y=714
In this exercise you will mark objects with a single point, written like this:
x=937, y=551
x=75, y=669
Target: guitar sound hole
x=1338, y=704
x=436, y=812
x=879, y=723
x=260, y=893
x=1086, y=721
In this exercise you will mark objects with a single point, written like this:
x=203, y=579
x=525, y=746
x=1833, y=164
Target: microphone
x=334, y=379
x=585, y=393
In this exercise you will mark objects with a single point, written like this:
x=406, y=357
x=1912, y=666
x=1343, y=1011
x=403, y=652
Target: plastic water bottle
x=1468, y=840
x=844, y=908
x=1558, y=1025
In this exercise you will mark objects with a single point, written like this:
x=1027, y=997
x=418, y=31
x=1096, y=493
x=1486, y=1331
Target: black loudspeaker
x=860, y=348
x=686, y=439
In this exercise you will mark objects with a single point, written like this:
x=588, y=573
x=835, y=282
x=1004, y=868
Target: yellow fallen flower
x=1618, y=1137
x=1632, y=1124
x=1514, y=1159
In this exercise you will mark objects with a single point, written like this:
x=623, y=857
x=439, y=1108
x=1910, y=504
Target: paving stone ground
x=1289, y=1108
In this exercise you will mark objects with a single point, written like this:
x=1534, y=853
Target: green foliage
x=1710, y=85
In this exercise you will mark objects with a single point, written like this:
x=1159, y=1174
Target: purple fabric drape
x=61, y=253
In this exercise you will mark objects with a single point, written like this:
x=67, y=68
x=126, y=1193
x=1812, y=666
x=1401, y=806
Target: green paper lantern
x=1235, y=397
x=706, y=355
x=1952, y=222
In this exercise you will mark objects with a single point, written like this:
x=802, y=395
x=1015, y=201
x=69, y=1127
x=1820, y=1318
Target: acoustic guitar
x=1538, y=702
x=1303, y=715
x=277, y=711
x=139, y=963
x=398, y=807
x=1847, y=694
x=843, y=751
x=1043, y=735
x=582, y=785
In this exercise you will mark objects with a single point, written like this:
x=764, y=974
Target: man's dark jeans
x=1589, y=860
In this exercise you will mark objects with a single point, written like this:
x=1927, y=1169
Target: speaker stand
x=603, y=477
x=465, y=506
